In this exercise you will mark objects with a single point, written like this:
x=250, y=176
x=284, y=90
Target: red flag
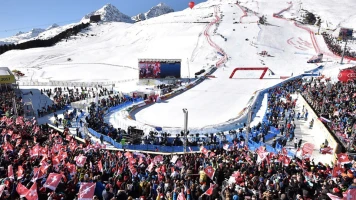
x=307, y=149
x=333, y=197
x=71, y=168
x=212, y=154
x=326, y=150
x=35, y=150
x=19, y=172
x=86, y=191
x=21, y=190
x=100, y=166
x=52, y=181
x=343, y=158
x=2, y=187
x=81, y=161
x=55, y=161
x=210, y=190
x=351, y=194
x=337, y=171
x=204, y=151
x=32, y=193
x=209, y=171
x=10, y=172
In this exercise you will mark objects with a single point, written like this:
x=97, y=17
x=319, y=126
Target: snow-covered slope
x=155, y=11
x=109, y=13
x=100, y=53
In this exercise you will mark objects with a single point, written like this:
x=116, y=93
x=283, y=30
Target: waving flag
x=32, y=193
x=52, y=181
x=209, y=171
x=81, y=161
x=21, y=190
x=209, y=192
x=86, y=191
x=19, y=172
x=100, y=166
x=10, y=172
x=343, y=158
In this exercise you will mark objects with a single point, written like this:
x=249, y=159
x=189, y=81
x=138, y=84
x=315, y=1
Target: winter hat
x=336, y=190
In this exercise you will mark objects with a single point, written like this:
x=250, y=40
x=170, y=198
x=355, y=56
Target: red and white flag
x=71, y=168
x=307, y=150
x=326, y=150
x=262, y=154
x=19, y=172
x=209, y=171
x=209, y=192
x=350, y=194
x=100, y=166
x=32, y=192
x=52, y=181
x=343, y=158
x=2, y=188
x=204, y=151
x=333, y=197
x=35, y=150
x=86, y=191
x=337, y=171
x=21, y=190
x=81, y=160
x=10, y=172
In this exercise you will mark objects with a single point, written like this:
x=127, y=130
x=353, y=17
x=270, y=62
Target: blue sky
x=23, y=15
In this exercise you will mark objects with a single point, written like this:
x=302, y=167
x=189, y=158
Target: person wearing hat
x=108, y=192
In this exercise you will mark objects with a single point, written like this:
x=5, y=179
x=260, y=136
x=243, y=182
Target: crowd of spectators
x=63, y=96
x=38, y=162
x=7, y=100
x=335, y=103
x=335, y=46
x=95, y=119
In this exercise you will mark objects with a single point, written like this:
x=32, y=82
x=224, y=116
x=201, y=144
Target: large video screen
x=345, y=33
x=159, y=70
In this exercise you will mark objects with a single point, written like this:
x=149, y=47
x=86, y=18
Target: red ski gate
x=264, y=69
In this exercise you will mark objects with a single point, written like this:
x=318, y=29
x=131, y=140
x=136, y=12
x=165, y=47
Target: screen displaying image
x=159, y=70
x=150, y=70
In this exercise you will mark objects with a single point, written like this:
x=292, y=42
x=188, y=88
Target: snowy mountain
x=155, y=11
x=52, y=26
x=109, y=13
x=21, y=36
x=36, y=33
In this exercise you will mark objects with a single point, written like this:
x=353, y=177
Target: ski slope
x=110, y=51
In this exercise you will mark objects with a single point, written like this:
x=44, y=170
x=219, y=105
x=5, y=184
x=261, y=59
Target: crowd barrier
x=70, y=83
x=321, y=128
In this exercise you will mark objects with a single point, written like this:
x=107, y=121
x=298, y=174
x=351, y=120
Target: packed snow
x=109, y=51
